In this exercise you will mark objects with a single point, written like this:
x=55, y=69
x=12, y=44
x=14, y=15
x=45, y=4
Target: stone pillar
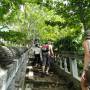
x=3, y=77
x=73, y=67
x=65, y=65
x=61, y=63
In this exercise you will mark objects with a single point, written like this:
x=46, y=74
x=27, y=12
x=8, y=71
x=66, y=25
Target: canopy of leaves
x=14, y=37
x=45, y=19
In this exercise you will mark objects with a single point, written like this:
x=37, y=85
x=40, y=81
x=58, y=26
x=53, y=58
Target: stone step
x=36, y=86
x=48, y=82
x=45, y=83
x=51, y=88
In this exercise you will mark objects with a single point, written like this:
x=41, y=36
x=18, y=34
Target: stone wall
x=13, y=62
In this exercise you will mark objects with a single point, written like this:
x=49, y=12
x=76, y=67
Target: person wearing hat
x=86, y=46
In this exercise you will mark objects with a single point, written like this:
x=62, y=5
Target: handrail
x=68, y=62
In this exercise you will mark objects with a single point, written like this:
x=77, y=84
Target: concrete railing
x=69, y=64
x=12, y=74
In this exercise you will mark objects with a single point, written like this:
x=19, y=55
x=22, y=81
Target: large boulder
x=17, y=51
x=9, y=54
x=6, y=56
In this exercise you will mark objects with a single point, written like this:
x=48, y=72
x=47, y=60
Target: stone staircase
x=36, y=81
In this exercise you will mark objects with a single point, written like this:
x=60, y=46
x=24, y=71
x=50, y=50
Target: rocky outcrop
x=13, y=62
x=8, y=54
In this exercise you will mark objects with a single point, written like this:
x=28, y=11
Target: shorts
x=46, y=60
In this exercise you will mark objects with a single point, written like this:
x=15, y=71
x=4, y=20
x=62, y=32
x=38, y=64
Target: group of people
x=46, y=55
x=43, y=56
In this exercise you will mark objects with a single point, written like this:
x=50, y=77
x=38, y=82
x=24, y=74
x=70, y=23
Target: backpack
x=45, y=48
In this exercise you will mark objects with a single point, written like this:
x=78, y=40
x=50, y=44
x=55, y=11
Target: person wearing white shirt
x=38, y=55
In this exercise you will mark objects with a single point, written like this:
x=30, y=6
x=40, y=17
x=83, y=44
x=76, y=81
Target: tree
x=76, y=11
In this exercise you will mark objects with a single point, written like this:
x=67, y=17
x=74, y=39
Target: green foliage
x=12, y=36
x=71, y=42
x=61, y=24
x=33, y=1
x=8, y=7
x=76, y=11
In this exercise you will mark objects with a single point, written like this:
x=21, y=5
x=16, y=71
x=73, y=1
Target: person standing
x=86, y=46
x=38, y=55
x=47, y=55
x=50, y=55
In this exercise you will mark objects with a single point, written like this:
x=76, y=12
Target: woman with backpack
x=47, y=53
